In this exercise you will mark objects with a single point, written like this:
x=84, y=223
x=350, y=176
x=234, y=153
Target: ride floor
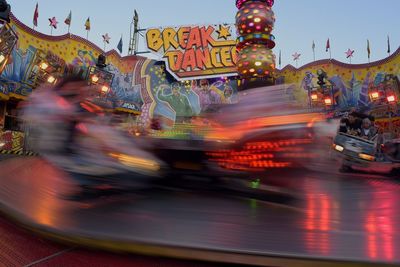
x=340, y=219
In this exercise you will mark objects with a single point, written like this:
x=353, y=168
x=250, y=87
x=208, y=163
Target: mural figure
x=178, y=102
x=207, y=94
x=307, y=83
x=83, y=62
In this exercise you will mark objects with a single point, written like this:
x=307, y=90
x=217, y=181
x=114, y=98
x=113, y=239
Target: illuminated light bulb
x=258, y=63
x=51, y=79
x=374, y=95
x=314, y=97
x=2, y=58
x=252, y=70
x=391, y=98
x=95, y=78
x=328, y=101
x=104, y=89
x=257, y=20
x=44, y=65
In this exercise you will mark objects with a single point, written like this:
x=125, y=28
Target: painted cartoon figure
x=228, y=94
x=207, y=96
x=84, y=61
x=178, y=102
x=307, y=83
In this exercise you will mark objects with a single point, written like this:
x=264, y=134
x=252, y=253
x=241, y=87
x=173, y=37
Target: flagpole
x=69, y=26
x=87, y=35
x=51, y=30
x=314, y=53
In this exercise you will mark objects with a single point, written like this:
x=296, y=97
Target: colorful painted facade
x=140, y=86
x=351, y=84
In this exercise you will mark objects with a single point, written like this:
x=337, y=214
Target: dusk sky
x=348, y=23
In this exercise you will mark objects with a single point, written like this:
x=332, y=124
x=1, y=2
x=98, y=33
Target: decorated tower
x=255, y=21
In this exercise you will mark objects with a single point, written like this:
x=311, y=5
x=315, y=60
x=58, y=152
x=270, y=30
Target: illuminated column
x=255, y=21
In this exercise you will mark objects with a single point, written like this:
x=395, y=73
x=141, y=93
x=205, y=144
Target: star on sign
x=106, y=38
x=224, y=32
x=296, y=56
x=53, y=22
x=349, y=53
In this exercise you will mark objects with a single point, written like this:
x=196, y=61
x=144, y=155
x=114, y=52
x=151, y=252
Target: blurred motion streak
x=379, y=223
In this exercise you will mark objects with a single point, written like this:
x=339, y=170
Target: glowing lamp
x=95, y=79
x=314, y=97
x=44, y=65
x=328, y=102
x=105, y=89
x=2, y=58
x=374, y=95
x=255, y=61
x=261, y=20
x=391, y=98
x=51, y=79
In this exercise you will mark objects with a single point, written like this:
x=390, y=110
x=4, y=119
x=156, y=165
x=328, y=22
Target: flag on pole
x=280, y=58
x=68, y=20
x=328, y=45
x=87, y=24
x=313, y=49
x=120, y=44
x=368, y=49
x=36, y=15
x=388, y=43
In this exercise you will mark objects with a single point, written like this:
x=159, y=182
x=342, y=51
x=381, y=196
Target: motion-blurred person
x=368, y=131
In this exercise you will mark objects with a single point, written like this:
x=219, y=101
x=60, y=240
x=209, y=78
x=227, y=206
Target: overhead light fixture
x=95, y=78
x=374, y=95
x=105, y=89
x=391, y=99
x=51, y=79
x=314, y=97
x=44, y=65
x=328, y=101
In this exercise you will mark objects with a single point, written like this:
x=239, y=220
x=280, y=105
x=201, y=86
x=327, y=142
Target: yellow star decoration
x=224, y=32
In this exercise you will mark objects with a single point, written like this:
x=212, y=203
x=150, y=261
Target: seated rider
x=368, y=131
x=350, y=125
x=73, y=90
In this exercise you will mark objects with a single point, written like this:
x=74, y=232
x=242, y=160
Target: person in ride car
x=351, y=124
x=368, y=131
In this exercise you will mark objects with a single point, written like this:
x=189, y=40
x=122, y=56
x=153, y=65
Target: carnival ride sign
x=195, y=52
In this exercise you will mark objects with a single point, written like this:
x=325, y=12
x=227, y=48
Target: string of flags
x=68, y=21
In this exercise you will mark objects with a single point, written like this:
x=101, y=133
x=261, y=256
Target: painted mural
x=140, y=86
x=350, y=85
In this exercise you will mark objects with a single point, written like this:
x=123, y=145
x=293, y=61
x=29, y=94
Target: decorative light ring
x=255, y=18
x=240, y=3
x=255, y=61
x=256, y=38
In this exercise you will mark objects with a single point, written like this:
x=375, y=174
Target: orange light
x=44, y=65
x=391, y=98
x=374, y=95
x=314, y=97
x=2, y=58
x=51, y=79
x=105, y=89
x=328, y=101
x=95, y=79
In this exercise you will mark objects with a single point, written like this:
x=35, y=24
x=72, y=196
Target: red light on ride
x=328, y=102
x=391, y=98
